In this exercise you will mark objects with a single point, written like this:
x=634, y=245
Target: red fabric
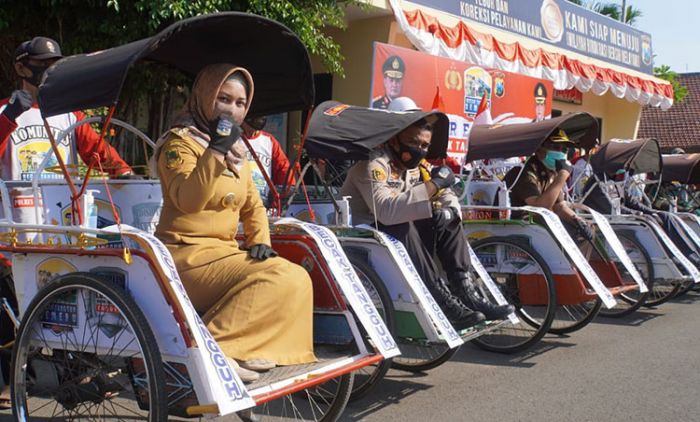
x=88, y=142
x=6, y=128
x=438, y=103
x=455, y=36
x=280, y=163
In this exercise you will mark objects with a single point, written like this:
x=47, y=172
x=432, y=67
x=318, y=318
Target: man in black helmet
x=23, y=137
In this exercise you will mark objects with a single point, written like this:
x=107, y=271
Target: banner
x=559, y=23
x=461, y=90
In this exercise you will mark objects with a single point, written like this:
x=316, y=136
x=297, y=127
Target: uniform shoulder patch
x=378, y=174
x=173, y=159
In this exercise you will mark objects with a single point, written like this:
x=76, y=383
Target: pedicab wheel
x=526, y=281
x=324, y=402
x=684, y=288
x=421, y=357
x=369, y=376
x=85, y=349
x=630, y=301
x=570, y=318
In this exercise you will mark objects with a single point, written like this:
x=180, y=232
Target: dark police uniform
x=393, y=67
x=535, y=179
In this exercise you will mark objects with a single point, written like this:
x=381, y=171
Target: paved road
x=645, y=367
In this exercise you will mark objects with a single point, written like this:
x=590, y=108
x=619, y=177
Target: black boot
x=457, y=313
x=476, y=301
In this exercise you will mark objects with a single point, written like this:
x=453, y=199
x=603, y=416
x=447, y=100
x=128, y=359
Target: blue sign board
x=560, y=23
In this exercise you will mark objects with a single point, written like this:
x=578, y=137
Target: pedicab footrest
x=481, y=329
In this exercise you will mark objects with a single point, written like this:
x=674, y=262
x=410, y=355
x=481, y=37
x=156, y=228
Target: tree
x=613, y=10
x=152, y=93
x=679, y=91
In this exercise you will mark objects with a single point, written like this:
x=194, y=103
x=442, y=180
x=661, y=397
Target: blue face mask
x=552, y=157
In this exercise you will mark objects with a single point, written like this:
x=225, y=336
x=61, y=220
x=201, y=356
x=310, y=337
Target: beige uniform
x=254, y=309
x=381, y=187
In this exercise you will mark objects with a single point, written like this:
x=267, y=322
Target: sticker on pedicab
x=378, y=174
x=336, y=110
x=61, y=314
x=146, y=216
x=477, y=85
x=101, y=313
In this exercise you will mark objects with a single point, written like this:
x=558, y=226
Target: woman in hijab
x=257, y=306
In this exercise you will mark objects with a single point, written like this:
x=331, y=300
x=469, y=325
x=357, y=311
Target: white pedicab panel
x=615, y=244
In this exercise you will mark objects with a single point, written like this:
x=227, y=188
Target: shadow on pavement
x=687, y=299
x=470, y=353
x=635, y=319
x=394, y=388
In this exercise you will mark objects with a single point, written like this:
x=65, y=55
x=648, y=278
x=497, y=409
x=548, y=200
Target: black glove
x=560, y=165
x=19, y=102
x=583, y=228
x=442, y=176
x=261, y=252
x=442, y=216
x=221, y=141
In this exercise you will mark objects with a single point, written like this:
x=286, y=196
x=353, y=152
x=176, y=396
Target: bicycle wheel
x=570, y=318
x=526, y=282
x=369, y=376
x=324, y=402
x=630, y=301
x=85, y=349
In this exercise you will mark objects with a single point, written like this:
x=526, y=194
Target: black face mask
x=410, y=156
x=37, y=73
x=257, y=123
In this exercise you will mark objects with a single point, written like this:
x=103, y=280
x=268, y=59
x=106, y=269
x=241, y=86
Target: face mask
x=37, y=73
x=552, y=157
x=410, y=156
x=257, y=123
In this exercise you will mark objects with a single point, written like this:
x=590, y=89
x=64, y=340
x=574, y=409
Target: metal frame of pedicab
x=182, y=337
x=643, y=156
x=577, y=283
x=425, y=336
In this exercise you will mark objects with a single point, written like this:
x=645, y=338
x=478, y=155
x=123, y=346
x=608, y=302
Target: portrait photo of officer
x=393, y=72
x=540, y=102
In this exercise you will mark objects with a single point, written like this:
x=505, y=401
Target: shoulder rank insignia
x=173, y=160
x=378, y=174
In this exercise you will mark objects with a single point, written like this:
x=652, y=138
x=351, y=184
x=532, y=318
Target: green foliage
x=611, y=9
x=679, y=91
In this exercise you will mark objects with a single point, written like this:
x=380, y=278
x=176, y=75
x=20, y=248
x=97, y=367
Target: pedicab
x=342, y=134
x=683, y=169
x=107, y=329
x=534, y=260
x=662, y=253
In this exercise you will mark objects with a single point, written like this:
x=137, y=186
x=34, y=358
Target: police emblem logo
x=378, y=175
x=444, y=172
x=173, y=159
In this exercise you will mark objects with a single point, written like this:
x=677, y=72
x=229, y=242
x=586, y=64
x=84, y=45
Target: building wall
x=620, y=117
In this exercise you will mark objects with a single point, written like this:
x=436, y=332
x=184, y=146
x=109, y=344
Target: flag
x=438, y=103
x=483, y=113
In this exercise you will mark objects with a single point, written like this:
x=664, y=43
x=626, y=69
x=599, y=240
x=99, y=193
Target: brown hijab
x=200, y=107
x=199, y=110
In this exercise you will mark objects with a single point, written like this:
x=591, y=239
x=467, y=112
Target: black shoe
x=460, y=316
x=493, y=312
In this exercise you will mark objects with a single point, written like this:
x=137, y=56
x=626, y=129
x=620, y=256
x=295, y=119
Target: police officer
x=393, y=71
x=542, y=181
x=540, y=102
x=406, y=197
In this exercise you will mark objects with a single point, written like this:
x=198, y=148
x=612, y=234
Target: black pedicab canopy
x=272, y=53
x=637, y=156
x=346, y=132
x=684, y=168
x=517, y=140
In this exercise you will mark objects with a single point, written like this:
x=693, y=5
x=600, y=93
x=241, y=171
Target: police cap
x=394, y=67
